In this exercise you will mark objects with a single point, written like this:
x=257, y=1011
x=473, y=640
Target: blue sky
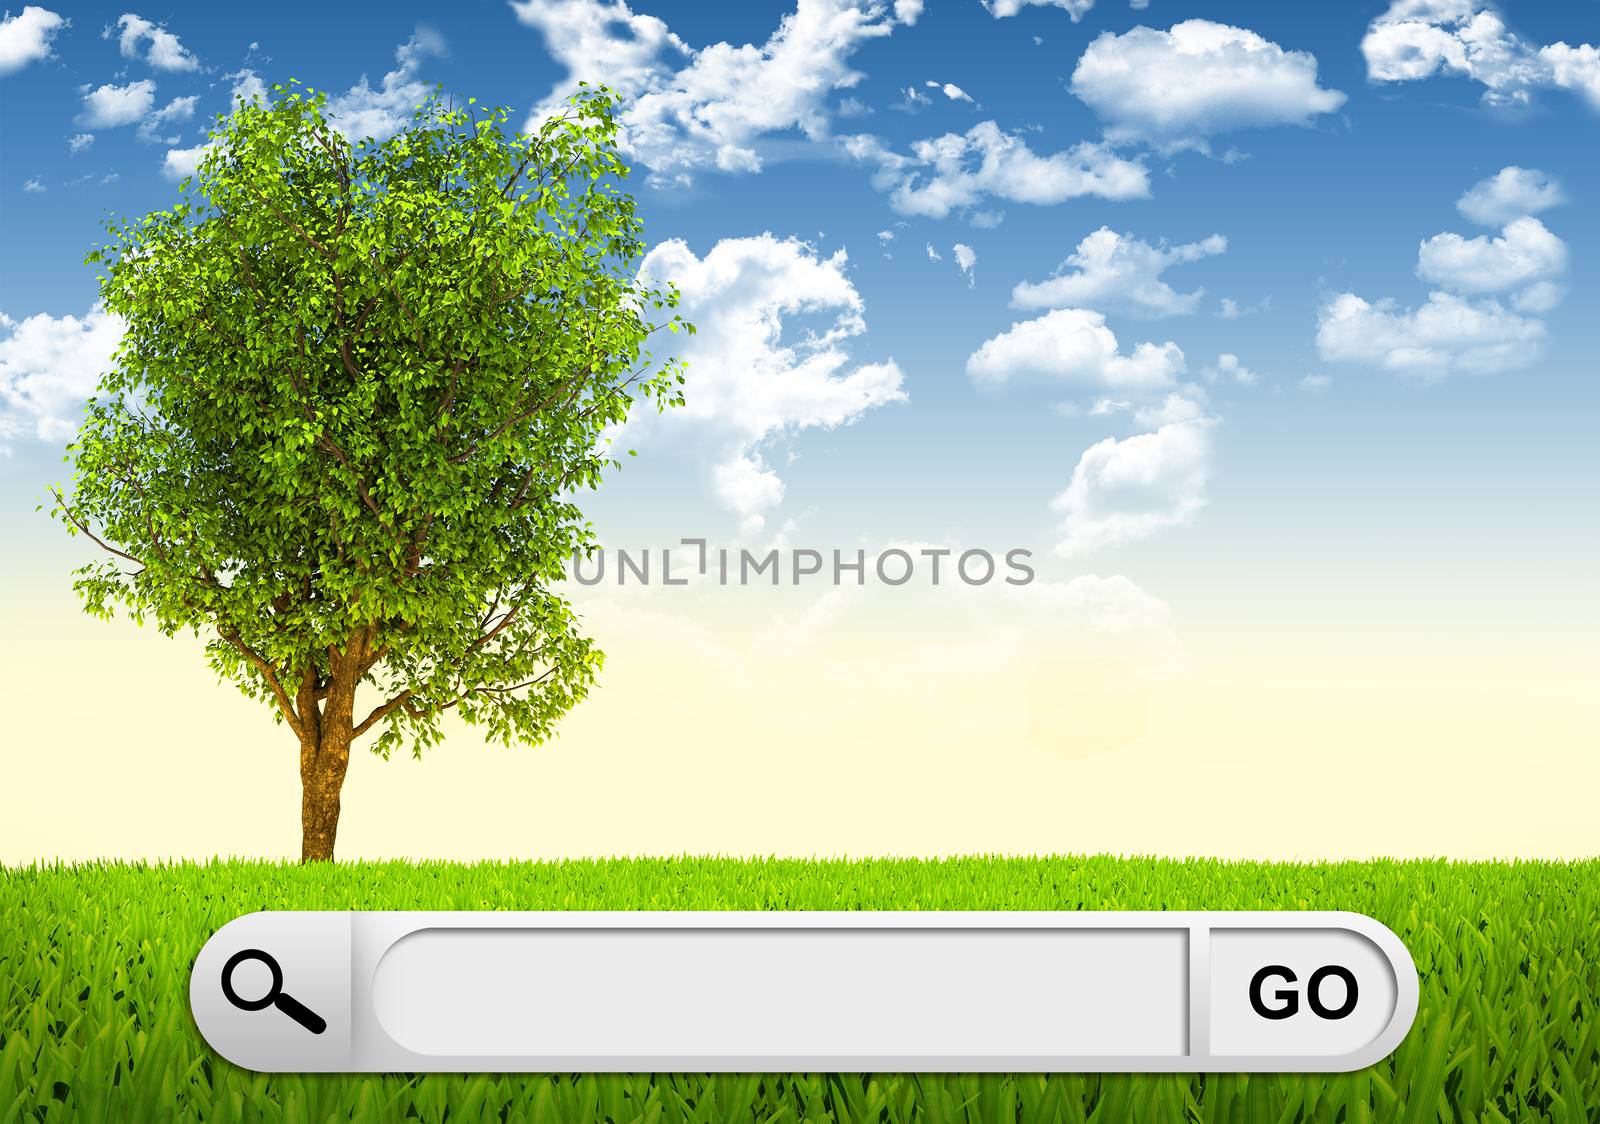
x=1267, y=327
x=1320, y=142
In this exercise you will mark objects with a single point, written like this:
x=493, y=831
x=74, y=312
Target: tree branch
x=379, y=713
x=96, y=539
x=296, y=227
x=260, y=664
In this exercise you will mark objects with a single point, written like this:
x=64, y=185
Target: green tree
x=359, y=388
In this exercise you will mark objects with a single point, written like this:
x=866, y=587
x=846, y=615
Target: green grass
x=95, y=1025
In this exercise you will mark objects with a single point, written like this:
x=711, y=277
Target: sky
x=1265, y=329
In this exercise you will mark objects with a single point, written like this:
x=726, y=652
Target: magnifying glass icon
x=274, y=997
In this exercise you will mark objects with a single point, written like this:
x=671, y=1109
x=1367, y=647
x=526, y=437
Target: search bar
x=833, y=991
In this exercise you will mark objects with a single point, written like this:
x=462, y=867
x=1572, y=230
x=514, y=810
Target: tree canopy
x=360, y=389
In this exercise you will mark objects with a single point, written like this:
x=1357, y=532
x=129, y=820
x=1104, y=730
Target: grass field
x=95, y=1025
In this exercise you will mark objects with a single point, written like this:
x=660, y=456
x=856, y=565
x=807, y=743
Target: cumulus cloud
x=247, y=85
x=25, y=37
x=80, y=141
x=109, y=106
x=380, y=113
x=1230, y=309
x=966, y=260
x=956, y=171
x=1538, y=298
x=178, y=109
x=1228, y=369
x=48, y=366
x=1130, y=488
x=1173, y=89
x=745, y=485
x=1186, y=404
x=1417, y=39
x=1484, y=316
x=632, y=52
x=1073, y=345
x=1075, y=9
x=951, y=91
x=181, y=162
x=138, y=38
x=690, y=110
x=1509, y=194
x=1120, y=272
x=1524, y=253
x=1448, y=334
x=748, y=384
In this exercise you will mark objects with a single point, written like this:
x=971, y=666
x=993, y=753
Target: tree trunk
x=322, y=768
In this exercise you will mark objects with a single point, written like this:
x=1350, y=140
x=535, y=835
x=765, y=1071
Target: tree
x=359, y=388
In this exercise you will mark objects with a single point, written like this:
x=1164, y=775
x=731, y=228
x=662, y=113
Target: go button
x=828, y=991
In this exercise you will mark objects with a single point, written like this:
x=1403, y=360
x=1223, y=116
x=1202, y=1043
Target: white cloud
x=1120, y=272
x=1228, y=369
x=1448, y=334
x=48, y=366
x=933, y=255
x=1461, y=328
x=247, y=84
x=1316, y=382
x=1509, y=194
x=26, y=37
x=109, y=107
x=181, y=162
x=1231, y=309
x=1173, y=89
x=747, y=487
x=381, y=113
x=1526, y=252
x=1001, y=9
x=966, y=259
x=178, y=109
x=1418, y=39
x=602, y=41
x=1575, y=68
x=712, y=111
x=958, y=170
x=164, y=51
x=746, y=383
x=1126, y=489
x=1538, y=298
x=1186, y=404
x=34, y=186
x=1073, y=345
x=951, y=91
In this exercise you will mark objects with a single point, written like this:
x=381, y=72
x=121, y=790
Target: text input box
x=765, y=992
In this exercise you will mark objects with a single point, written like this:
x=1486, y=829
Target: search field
x=897, y=996
x=843, y=992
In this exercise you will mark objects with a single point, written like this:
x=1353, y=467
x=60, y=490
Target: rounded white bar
x=828, y=991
